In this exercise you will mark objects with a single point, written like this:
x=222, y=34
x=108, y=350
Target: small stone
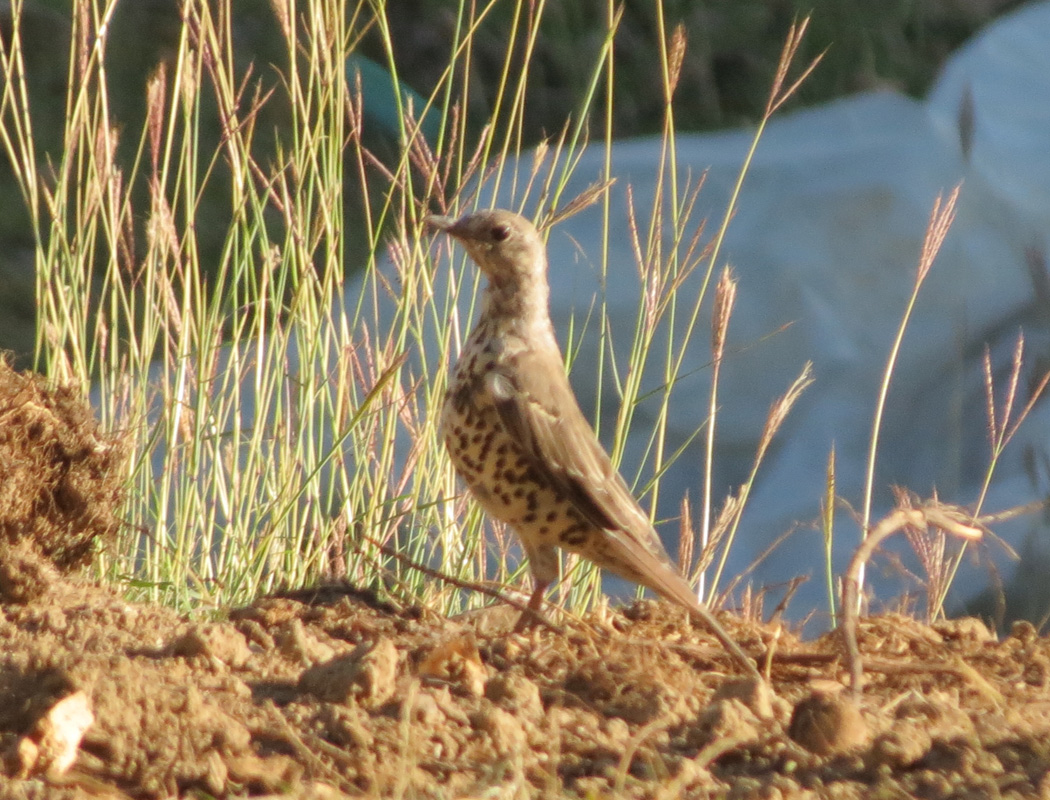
x=516, y=694
x=826, y=724
x=218, y=641
x=1024, y=632
x=900, y=748
x=52, y=746
x=965, y=629
x=725, y=720
x=365, y=676
x=755, y=694
x=505, y=730
x=298, y=644
x=457, y=663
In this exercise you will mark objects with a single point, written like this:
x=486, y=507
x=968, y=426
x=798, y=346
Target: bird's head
x=504, y=245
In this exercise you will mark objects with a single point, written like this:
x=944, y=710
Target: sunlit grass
x=282, y=425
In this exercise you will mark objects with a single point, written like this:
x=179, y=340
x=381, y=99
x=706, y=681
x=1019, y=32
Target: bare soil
x=331, y=694
x=328, y=692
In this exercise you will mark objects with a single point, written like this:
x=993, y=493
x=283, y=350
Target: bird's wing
x=561, y=445
x=536, y=405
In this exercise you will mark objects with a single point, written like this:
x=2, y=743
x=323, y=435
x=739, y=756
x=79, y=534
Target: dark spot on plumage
x=530, y=517
x=460, y=396
x=574, y=536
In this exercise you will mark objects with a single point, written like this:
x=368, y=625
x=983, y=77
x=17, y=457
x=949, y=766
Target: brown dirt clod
x=61, y=481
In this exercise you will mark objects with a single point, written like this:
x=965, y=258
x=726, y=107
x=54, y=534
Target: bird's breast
x=500, y=474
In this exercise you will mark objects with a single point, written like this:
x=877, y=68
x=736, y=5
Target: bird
x=516, y=436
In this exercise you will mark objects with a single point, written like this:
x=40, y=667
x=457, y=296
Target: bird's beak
x=439, y=223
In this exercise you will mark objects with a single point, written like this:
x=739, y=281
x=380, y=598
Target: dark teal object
x=380, y=101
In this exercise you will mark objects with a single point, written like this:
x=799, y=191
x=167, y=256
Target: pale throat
x=521, y=302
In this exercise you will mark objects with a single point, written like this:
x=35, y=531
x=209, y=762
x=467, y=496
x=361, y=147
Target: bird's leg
x=543, y=563
x=531, y=615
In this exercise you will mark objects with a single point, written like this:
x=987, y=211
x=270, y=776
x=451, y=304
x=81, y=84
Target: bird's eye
x=500, y=233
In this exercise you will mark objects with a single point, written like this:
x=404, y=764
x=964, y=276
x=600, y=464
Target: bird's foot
x=531, y=618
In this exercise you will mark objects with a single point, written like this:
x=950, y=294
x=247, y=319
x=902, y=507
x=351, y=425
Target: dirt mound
x=60, y=479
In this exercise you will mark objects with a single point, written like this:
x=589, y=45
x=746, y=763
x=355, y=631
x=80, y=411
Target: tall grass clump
x=280, y=401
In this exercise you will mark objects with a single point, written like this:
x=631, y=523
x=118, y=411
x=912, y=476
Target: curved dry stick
x=947, y=518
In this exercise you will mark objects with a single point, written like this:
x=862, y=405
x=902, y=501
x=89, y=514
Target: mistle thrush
x=518, y=439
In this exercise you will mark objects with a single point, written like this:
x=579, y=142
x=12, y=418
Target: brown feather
x=559, y=441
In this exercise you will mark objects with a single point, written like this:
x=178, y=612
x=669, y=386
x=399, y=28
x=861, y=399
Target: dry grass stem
x=949, y=519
